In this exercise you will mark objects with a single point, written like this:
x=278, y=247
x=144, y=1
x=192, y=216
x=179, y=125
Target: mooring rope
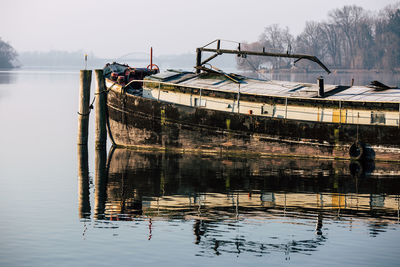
x=90, y=108
x=80, y=114
x=94, y=99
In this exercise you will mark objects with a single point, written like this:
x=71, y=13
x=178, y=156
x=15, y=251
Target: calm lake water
x=64, y=206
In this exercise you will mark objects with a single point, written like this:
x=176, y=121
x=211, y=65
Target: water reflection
x=83, y=176
x=100, y=183
x=7, y=76
x=219, y=196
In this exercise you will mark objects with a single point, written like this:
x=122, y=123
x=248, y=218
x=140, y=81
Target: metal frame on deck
x=243, y=53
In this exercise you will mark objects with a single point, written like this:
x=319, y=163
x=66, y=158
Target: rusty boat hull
x=137, y=122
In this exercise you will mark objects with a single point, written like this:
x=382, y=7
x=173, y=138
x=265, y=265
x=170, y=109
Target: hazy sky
x=114, y=28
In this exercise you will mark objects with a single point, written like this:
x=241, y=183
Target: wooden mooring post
x=100, y=104
x=84, y=108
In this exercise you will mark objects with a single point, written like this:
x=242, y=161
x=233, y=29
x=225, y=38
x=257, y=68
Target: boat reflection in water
x=220, y=195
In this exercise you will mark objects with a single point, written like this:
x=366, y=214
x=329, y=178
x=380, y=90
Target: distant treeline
x=57, y=58
x=351, y=38
x=76, y=59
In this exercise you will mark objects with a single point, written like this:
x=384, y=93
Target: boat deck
x=219, y=82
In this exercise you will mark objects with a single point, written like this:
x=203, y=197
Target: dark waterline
x=65, y=206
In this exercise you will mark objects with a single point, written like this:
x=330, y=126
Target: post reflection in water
x=100, y=180
x=83, y=176
x=219, y=195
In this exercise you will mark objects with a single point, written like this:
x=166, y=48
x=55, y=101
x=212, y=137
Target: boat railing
x=340, y=111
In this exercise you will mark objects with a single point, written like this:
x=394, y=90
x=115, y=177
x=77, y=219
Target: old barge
x=210, y=111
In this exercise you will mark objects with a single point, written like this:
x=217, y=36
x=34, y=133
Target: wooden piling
x=84, y=109
x=100, y=104
x=83, y=185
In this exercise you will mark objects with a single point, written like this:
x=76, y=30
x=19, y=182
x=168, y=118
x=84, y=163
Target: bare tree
x=277, y=39
x=351, y=38
x=387, y=28
x=312, y=41
x=331, y=35
x=349, y=19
